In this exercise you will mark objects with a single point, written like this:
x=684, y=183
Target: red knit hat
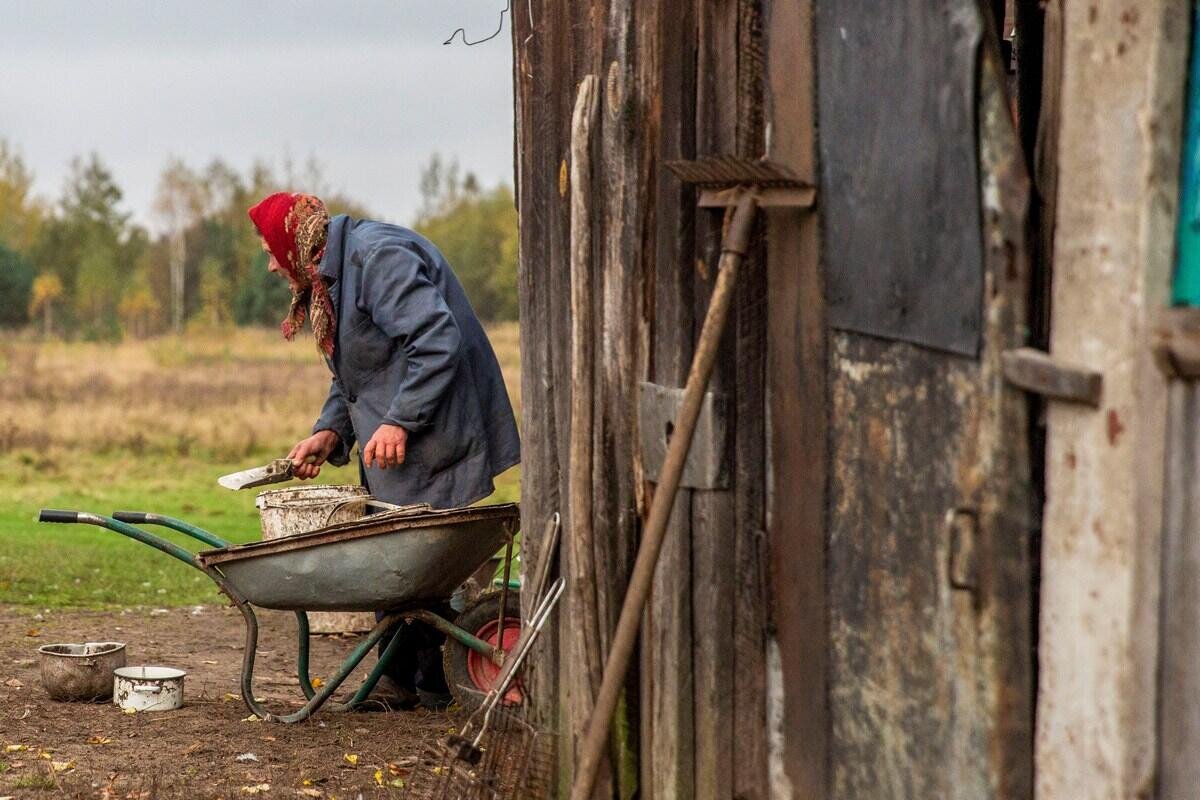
x=294, y=227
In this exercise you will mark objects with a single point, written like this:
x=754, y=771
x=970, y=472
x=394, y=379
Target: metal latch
x=658, y=406
x=962, y=525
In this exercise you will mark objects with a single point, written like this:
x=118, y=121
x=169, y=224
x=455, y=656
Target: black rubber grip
x=132, y=517
x=56, y=515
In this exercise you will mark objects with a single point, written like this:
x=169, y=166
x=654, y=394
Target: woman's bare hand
x=386, y=448
x=319, y=446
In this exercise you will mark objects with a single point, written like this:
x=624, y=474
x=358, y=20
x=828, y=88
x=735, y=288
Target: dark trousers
x=417, y=661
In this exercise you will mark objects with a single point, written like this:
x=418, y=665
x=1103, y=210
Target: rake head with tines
x=723, y=178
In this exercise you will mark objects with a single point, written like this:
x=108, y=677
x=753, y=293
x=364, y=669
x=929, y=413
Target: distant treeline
x=79, y=267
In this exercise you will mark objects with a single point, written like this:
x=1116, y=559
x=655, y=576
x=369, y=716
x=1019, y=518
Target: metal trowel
x=277, y=471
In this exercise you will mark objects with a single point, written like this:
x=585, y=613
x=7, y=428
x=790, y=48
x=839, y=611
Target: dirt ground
x=53, y=749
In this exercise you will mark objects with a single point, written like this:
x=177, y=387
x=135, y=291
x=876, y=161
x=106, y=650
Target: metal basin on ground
x=384, y=561
x=80, y=671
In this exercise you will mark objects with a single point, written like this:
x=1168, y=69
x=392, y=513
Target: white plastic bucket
x=148, y=688
x=287, y=512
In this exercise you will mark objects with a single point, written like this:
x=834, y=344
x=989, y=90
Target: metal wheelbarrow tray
x=378, y=563
x=400, y=562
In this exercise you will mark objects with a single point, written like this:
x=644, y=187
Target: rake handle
x=625, y=637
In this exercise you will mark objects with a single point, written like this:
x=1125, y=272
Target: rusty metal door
x=928, y=561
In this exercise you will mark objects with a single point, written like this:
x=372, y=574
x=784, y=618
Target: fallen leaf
x=13, y=683
x=268, y=738
x=317, y=683
x=229, y=696
x=33, y=632
x=99, y=740
x=15, y=748
x=258, y=788
x=252, y=718
x=351, y=758
x=302, y=792
x=44, y=754
x=245, y=758
x=129, y=710
x=398, y=783
x=62, y=766
x=379, y=777
x=193, y=747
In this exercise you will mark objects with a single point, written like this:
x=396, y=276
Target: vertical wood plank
x=750, y=596
x=668, y=766
x=797, y=410
x=713, y=524
x=1103, y=515
x=1179, y=722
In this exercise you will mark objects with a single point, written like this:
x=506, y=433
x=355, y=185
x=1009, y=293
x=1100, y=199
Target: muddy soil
x=52, y=749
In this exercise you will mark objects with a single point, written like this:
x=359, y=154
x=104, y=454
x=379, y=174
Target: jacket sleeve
x=335, y=416
x=406, y=305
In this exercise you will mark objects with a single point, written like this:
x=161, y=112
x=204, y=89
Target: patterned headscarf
x=294, y=227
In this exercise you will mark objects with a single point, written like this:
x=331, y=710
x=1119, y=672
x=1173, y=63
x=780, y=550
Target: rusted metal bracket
x=1176, y=342
x=658, y=406
x=1037, y=372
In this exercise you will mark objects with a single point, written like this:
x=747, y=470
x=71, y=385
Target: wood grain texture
x=797, y=409
x=1179, y=719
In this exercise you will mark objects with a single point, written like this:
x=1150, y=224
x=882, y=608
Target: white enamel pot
x=148, y=688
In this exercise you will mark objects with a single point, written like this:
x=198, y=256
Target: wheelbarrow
x=403, y=561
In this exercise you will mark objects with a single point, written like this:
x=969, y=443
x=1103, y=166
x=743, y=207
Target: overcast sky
x=365, y=86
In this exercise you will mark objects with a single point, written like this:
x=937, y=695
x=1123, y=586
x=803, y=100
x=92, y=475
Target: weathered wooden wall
x=856, y=637
x=677, y=80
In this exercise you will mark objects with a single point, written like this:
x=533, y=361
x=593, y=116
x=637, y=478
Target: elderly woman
x=415, y=380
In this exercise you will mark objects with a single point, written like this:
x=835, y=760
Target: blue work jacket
x=409, y=351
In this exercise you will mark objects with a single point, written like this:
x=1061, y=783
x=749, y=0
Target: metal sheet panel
x=899, y=176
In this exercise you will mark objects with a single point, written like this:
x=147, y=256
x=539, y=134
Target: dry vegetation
x=148, y=426
x=229, y=395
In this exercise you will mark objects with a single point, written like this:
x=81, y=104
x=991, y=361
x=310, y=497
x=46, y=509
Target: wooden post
x=1122, y=84
x=798, y=418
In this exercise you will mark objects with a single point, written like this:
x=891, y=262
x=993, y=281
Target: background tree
x=21, y=214
x=16, y=284
x=180, y=202
x=46, y=290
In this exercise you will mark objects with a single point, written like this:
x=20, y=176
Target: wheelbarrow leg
x=327, y=690
x=302, y=656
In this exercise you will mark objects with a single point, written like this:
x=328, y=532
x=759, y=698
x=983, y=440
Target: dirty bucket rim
x=110, y=648
x=174, y=673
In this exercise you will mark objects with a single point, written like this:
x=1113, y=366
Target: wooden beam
x=797, y=408
x=1118, y=154
x=1037, y=372
x=1176, y=342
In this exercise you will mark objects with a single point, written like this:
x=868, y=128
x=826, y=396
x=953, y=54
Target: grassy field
x=149, y=426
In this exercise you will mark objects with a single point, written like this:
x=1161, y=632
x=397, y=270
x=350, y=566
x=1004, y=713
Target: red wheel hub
x=483, y=670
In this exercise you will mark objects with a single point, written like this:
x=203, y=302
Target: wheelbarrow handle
x=57, y=515
x=87, y=518
x=187, y=529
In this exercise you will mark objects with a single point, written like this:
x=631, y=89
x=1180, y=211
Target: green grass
x=47, y=565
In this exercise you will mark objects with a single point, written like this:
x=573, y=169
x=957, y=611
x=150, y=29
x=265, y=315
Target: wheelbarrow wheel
x=469, y=674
